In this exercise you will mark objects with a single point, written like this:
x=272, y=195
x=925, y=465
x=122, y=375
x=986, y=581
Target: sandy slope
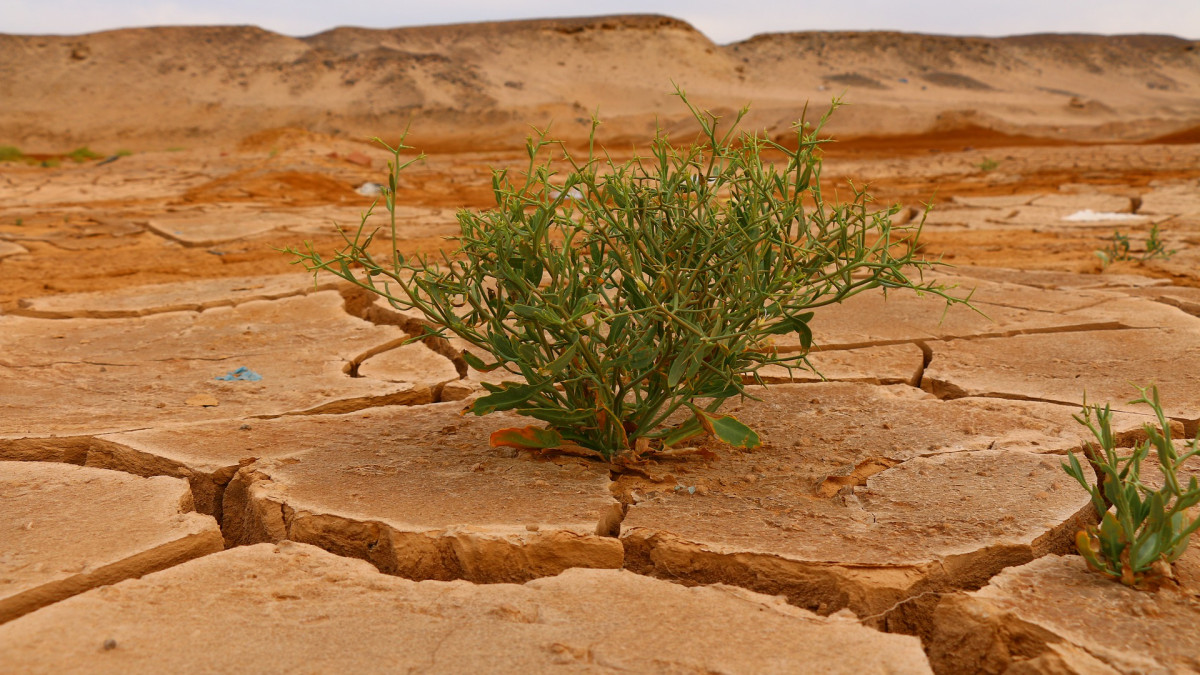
x=477, y=86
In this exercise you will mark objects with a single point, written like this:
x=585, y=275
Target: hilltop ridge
x=479, y=86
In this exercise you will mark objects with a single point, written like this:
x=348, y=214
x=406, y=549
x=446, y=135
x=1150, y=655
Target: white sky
x=722, y=20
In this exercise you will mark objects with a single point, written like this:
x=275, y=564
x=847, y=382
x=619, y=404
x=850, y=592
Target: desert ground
x=329, y=509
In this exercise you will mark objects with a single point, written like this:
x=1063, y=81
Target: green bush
x=82, y=154
x=634, y=298
x=10, y=153
x=1141, y=530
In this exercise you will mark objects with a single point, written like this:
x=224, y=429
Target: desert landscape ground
x=211, y=463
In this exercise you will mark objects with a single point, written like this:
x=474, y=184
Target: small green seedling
x=634, y=298
x=10, y=153
x=1119, y=249
x=82, y=154
x=1155, y=247
x=1142, y=530
x=1116, y=250
x=988, y=164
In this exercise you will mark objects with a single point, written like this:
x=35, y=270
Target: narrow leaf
x=678, y=368
x=477, y=363
x=558, y=365
x=728, y=429
x=509, y=395
x=681, y=433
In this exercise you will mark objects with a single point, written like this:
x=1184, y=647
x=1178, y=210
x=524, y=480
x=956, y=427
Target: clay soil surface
x=895, y=520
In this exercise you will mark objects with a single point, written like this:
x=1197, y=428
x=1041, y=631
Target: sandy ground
x=916, y=493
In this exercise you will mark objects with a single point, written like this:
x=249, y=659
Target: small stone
x=110, y=644
x=358, y=158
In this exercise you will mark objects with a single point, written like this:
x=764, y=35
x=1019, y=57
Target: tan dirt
x=295, y=607
x=918, y=491
x=69, y=529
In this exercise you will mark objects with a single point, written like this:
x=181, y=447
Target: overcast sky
x=722, y=20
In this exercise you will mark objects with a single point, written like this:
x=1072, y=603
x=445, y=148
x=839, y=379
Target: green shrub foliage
x=634, y=297
x=1142, y=530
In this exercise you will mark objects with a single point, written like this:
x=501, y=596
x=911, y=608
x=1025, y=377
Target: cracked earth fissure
x=903, y=598
x=26, y=310
x=254, y=513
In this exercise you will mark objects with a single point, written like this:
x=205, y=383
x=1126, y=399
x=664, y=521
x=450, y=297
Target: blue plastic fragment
x=243, y=374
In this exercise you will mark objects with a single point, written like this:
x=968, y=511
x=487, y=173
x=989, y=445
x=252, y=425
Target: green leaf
x=681, y=433
x=641, y=358
x=790, y=324
x=619, y=324
x=1083, y=544
x=477, y=363
x=562, y=418
x=1146, y=551
x=526, y=437
x=1112, y=542
x=507, y=396
x=537, y=314
x=794, y=324
x=679, y=367
x=558, y=365
x=503, y=347
x=728, y=429
x=533, y=271
x=714, y=387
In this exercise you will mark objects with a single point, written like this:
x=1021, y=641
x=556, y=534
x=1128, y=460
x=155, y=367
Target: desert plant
x=82, y=154
x=1155, y=247
x=1142, y=530
x=9, y=153
x=988, y=164
x=626, y=293
x=1119, y=249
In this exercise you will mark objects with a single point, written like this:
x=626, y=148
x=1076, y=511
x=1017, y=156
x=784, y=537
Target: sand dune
x=478, y=86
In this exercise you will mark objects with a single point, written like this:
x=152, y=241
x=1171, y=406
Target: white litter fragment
x=369, y=189
x=573, y=193
x=1090, y=216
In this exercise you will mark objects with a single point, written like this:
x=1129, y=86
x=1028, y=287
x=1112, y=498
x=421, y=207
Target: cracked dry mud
x=916, y=494
x=580, y=621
